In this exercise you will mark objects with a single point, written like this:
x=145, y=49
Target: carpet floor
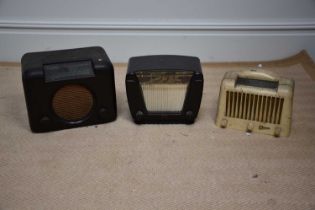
x=121, y=165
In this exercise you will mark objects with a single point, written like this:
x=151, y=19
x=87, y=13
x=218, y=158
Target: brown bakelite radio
x=68, y=88
x=164, y=88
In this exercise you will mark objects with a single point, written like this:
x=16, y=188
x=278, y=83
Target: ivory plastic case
x=256, y=101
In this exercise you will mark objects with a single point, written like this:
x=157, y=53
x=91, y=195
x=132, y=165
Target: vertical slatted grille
x=164, y=97
x=266, y=109
x=164, y=91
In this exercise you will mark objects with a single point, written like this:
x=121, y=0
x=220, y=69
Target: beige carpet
x=122, y=165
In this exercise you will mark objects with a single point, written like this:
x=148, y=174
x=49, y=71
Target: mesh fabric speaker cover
x=72, y=102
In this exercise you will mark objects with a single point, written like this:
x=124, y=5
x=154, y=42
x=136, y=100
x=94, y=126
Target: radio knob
x=139, y=116
x=224, y=123
x=250, y=127
x=45, y=121
x=189, y=116
x=277, y=131
x=103, y=113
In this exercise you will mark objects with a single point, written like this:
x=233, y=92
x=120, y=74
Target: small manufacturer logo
x=261, y=127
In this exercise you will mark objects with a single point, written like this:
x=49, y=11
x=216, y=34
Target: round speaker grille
x=72, y=102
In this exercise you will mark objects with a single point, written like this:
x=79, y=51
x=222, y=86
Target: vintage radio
x=164, y=88
x=68, y=88
x=256, y=101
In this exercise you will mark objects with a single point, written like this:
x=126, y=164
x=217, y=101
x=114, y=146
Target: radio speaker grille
x=164, y=91
x=266, y=109
x=164, y=97
x=72, y=102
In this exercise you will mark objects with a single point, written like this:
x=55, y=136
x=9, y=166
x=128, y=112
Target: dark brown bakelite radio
x=164, y=88
x=68, y=88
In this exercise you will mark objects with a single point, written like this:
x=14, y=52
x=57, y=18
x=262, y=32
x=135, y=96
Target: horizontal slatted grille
x=266, y=109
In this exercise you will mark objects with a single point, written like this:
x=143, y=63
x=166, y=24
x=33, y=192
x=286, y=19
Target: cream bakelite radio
x=256, y=101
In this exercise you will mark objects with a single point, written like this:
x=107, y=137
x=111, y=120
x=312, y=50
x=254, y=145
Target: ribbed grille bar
x=266, y=109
